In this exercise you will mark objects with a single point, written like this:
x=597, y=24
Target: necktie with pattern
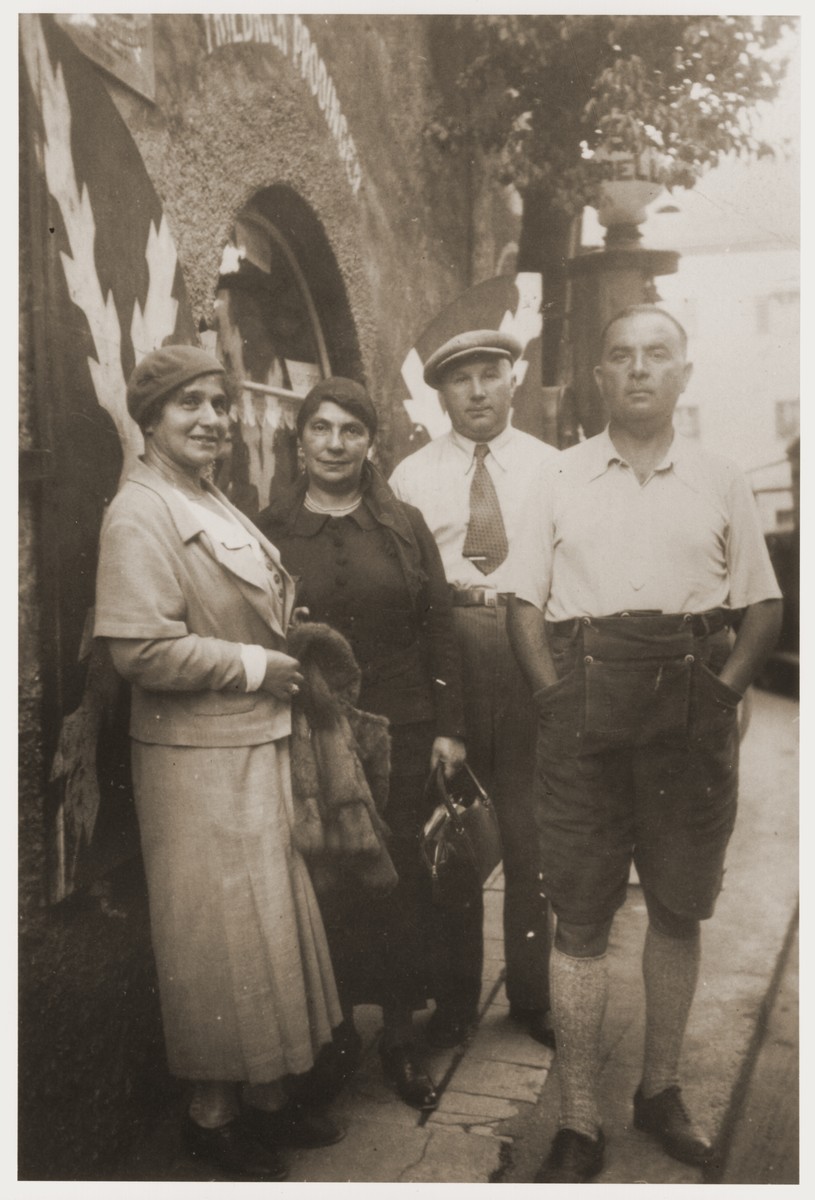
x=486, y=541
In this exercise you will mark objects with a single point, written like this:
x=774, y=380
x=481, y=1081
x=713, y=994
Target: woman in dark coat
x=367, y=564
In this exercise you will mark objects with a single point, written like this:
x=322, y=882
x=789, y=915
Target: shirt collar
x=499, y=447
x=604, y=453
x=678, y=456
x=683, y=456
x=308, y=524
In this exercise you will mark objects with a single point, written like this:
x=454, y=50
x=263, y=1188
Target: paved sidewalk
x=498, y=1110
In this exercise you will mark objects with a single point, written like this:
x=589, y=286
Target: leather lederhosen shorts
x=637, y=758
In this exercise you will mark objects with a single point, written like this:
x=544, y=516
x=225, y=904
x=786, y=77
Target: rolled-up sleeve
x=531, y=550
x=750, y=571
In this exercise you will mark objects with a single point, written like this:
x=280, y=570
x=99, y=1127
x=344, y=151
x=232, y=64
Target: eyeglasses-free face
x=335, y=444
x=643, y=371
x=477, y=395
x=192, y=426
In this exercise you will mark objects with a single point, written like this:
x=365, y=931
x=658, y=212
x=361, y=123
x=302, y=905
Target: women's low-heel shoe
x=412, y=1083
x=293, y=1126
x=234, y=1150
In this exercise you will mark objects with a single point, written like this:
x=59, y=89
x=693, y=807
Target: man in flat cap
x=638, y=557
x=472, y=485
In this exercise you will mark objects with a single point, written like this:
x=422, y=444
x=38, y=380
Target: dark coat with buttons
x=377, y=577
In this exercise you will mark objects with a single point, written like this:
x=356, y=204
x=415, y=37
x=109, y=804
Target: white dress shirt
x=437, y=478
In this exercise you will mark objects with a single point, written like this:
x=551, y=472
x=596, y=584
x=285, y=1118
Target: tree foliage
x=542, y=93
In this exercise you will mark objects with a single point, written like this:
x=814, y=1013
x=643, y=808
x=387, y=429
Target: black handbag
x=460, y=844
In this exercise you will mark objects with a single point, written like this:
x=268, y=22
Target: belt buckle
x=490, y=597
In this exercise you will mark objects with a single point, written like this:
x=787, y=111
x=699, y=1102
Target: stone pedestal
x=603, y=282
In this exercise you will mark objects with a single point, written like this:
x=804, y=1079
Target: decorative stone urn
x=609, y=279
x=630, y=182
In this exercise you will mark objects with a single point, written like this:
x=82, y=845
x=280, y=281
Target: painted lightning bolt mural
x=149, y=327
x=120, y=268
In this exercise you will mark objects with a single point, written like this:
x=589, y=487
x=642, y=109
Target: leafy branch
x=541, y=94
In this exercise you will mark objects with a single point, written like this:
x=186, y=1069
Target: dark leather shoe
x=537, y=1022
x=292, y=1126
x=232, y=1148
x=445, y=1029
x=666, y=1117
x=573, y=1158
x=412, y=1083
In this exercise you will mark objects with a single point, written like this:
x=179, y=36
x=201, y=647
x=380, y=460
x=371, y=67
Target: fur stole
x=340, y=765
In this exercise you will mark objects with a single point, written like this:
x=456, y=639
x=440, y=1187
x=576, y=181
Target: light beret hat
x=349, y=394
x=465, y=345
x=161, y=371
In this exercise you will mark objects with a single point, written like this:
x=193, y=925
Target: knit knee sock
x=670, y=968
x=579, y=993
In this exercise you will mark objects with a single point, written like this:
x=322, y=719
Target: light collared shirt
x=437, y=479
x=597, y=542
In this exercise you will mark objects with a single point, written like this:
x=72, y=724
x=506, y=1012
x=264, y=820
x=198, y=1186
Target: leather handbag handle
x=444, y=796
x=484, y=797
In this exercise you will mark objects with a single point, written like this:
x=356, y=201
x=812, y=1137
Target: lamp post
x=605, y=280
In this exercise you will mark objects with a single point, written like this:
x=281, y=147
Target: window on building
x=778, y=314
x=689, y=317
x=270, y=338
x=686, y=420
x=787, y=419
x=282, y=323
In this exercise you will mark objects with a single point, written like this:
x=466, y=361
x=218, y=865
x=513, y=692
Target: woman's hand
x=450, y=752
x=282, y=678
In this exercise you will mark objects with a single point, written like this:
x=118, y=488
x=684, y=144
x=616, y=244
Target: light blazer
x=186, y=603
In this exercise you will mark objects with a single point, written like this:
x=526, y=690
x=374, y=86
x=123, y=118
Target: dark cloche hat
x=465, y=345
x=349, y=394
x=161, y=371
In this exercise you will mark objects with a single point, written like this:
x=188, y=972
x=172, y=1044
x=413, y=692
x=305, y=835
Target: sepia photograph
x=472, y=858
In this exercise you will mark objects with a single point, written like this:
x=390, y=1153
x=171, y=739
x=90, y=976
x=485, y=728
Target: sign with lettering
x=122, y=43
x=291, y=37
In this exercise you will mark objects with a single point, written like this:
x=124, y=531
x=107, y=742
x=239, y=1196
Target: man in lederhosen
x=638, y=558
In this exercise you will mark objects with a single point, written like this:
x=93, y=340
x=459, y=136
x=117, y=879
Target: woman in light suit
x=193, y=604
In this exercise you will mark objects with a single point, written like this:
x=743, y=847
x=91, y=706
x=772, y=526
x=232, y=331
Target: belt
x=478, y=596
x=700, y=624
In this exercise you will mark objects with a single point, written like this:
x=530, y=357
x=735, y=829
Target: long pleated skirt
x=247, y=989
